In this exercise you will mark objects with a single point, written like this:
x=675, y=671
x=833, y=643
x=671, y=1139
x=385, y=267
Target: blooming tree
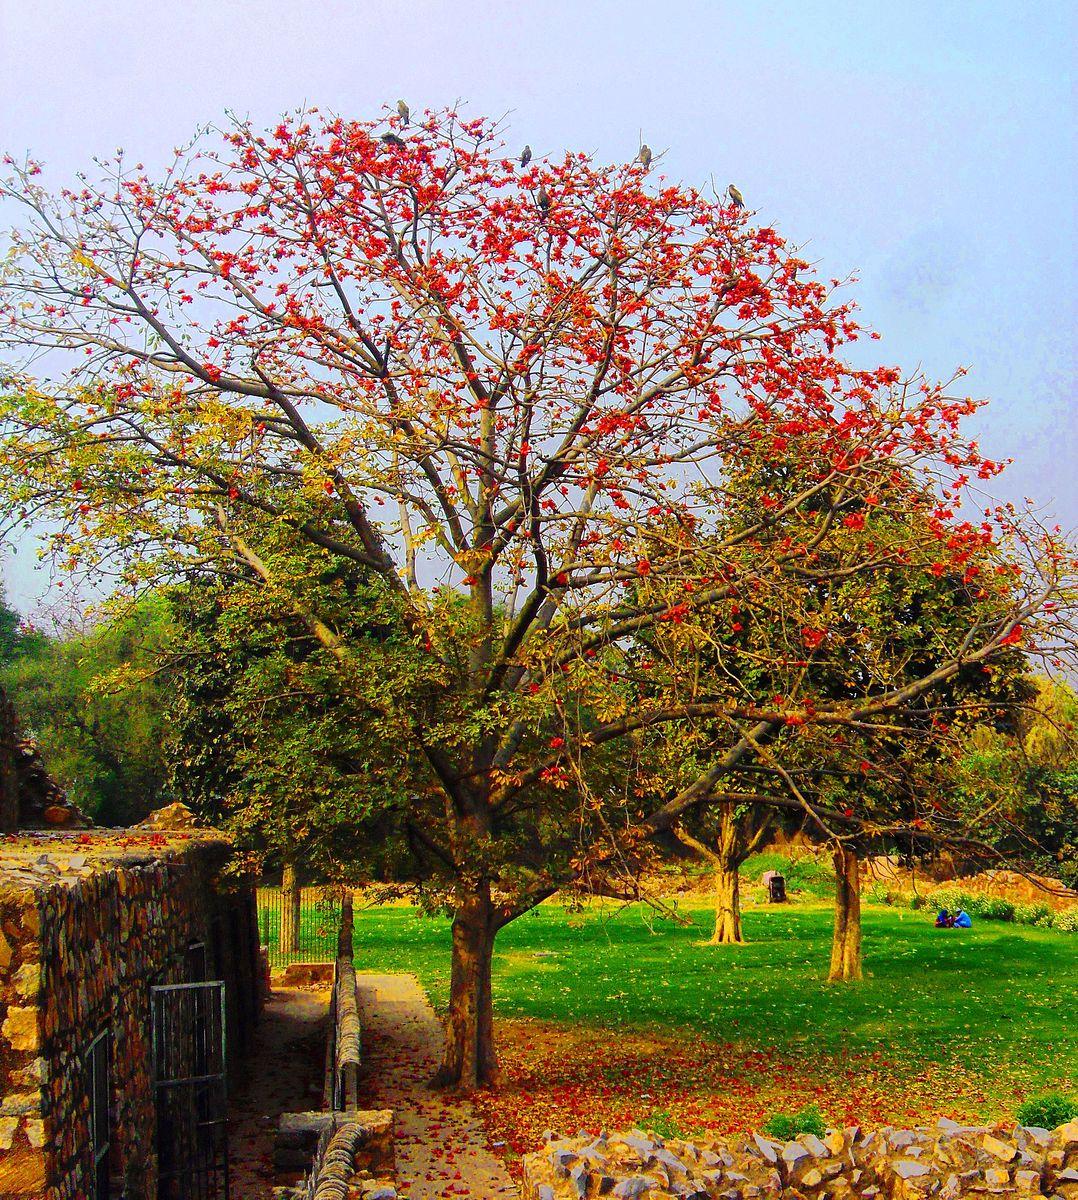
x=512, y=396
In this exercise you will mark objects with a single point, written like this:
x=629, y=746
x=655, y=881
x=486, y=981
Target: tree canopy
x=519, y=399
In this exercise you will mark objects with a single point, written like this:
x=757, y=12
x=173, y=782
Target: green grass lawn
x=999, y=997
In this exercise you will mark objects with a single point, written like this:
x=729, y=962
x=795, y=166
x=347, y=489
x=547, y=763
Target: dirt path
x=283, y=1073
x=441, y=1146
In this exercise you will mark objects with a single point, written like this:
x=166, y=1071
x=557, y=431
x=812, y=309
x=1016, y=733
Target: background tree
x=93, y=703
x=484, y=384
x=1020, y=779
x=821, y=631
x=10, y=623
x=267, y=737
x=734, y=832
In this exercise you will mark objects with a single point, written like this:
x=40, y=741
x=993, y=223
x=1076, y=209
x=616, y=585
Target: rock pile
x=29, y=797
x=171, y=817
x=949, y=1161
x=43, y=803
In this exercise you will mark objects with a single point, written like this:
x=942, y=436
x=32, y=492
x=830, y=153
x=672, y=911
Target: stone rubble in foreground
x=948, y=1161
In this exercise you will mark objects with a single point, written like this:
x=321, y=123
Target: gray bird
x=391, y=139
x=736, y=198
x=525, y=156
x=644, y=157
x=404, y=112
x=543, y=200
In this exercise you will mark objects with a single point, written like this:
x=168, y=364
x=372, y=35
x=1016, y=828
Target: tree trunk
x=727, y=908
x=846, y=944
x=470, y=1059
x=290, y=910
x=728, y=857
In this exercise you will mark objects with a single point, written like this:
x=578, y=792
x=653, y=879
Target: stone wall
x=347, y=1046
x=950, y=1162
x=344, y=1151
x=88, y=924
x=350, y=1155
x=22, y=1069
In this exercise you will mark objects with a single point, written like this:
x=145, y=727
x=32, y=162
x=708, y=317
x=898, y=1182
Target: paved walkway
x=283, y=1073
x=441, y=1146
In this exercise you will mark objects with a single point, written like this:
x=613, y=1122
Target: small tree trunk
x=345, y=948
x=846, y=943
x=290, y=910
x=728, y=856
x=470, y=1059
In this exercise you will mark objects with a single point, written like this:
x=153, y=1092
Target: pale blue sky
x=928, y=146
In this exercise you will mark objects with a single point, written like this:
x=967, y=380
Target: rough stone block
x=22, y=1173
x=20, y=1027
x=8, y=1128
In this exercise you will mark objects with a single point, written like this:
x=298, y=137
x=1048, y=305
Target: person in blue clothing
x=962, y=920
x=944, y=920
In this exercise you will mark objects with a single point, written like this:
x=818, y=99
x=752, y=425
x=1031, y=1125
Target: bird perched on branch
x=736, y=198
x=543, y=200
x=644, y=157
x=525, y=156
x=391, y=139
x=404, y=112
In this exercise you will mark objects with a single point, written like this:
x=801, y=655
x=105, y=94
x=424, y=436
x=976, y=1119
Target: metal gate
x=190, y=1090
x=95, y=1069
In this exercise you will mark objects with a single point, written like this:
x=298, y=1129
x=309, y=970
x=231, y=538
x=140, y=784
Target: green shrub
x=1067, y=920
x=882, y=893
x=783, y=1126
x=917, y=901
x=952, y=898
x=1048, y=1112
x=663, y=1123
x=995, y=908
x=1033, y=914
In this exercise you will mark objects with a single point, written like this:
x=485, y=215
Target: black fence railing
x=301, y=925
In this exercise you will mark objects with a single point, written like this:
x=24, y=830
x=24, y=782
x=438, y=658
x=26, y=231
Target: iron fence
x=188, y=1042
x=299, y=926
